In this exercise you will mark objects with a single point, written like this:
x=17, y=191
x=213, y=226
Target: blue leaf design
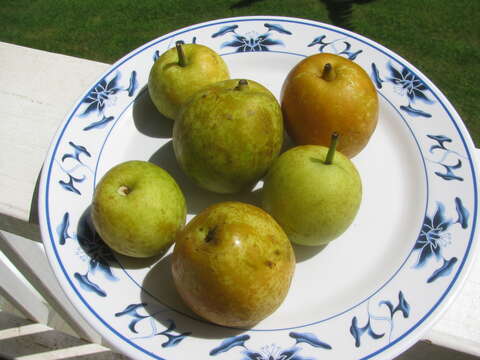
x=100, y=124
x=376, y=76
x=318, y=40
x=229, y=343
x=156, y=55
x=278, y=28
x=62, y=229
x=77, y=151
x=310, y=339
x=357, y=331
x=69, y=185
x=402, y=306
x=95, y=105
x=130, y=310
x=238, y=43
x=449, y=175
x=443, y=270
x=373, y=335
x=133, y=84
x=351, y=55
x=441, y=140
x=173, y=339
x=268, y=42
x=88, y=285
x=462, y=213
x=224, y=30
x=112, y=85
x=415, y=112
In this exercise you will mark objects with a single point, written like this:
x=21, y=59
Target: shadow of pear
x=303, y=252
x=196, y=197
x=100, y=252
x=147, y=119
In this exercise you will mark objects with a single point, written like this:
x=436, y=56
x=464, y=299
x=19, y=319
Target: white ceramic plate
x=369, y=294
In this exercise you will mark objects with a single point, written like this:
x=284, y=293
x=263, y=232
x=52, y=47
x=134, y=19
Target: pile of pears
x=233, y=263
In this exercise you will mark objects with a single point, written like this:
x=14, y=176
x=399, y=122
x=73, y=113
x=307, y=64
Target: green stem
x=181, y=55
x=328, y=73
x=332, y=148
x=242, y=84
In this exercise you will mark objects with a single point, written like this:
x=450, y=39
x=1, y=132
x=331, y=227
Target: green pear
x=228, y=135
x=233, y=264
x=180, y=72
x=138, y=209
x=313, y=192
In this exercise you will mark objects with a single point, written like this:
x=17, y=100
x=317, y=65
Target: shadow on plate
x=197, y=198
x=100, y=254
x=147, y=119
x=303, y=253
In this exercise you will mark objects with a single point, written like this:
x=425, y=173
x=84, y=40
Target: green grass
x=440, y=37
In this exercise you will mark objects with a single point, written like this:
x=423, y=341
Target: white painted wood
x=68, y=353
x=22, y=331
x=38, y=90
x=21, y=339
x=29, y=258
x=15, y=288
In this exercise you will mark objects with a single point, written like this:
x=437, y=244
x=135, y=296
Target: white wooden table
x=37, y=91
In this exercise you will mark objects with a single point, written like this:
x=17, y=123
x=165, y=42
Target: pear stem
x=242, y=85
x=182, y=61
x=328, y=73
x=332, y=148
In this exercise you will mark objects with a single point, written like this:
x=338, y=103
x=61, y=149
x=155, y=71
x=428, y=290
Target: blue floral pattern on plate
x=272, y=351
x=337, y=46
x=251, y=41
x=357, y=331
x=406, y=84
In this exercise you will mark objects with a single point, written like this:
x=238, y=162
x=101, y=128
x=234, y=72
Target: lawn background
x=440, y=37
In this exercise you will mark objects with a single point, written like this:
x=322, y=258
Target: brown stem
x=328, y=73
x=182, y=61
x=242, y=84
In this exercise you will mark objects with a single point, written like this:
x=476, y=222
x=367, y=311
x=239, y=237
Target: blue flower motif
x=434, y=236
x=101, y=93
x=432, y=231
x=272, y=351
x=251, y=41
x=407, y=83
